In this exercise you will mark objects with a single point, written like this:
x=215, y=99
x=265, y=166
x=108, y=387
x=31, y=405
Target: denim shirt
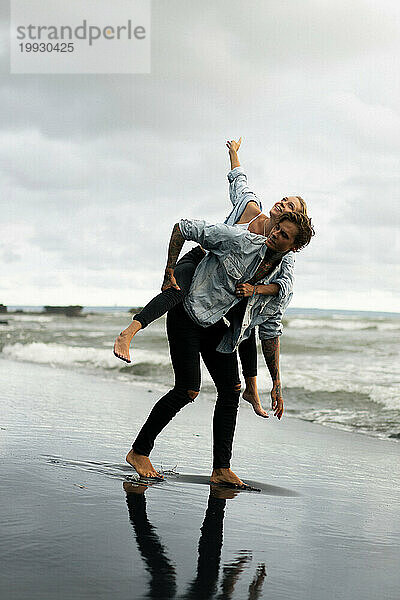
x=240, y=195
x=234, y=257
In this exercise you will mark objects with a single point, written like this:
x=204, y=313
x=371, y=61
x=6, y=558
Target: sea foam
x=61, y=354
x=341, y=324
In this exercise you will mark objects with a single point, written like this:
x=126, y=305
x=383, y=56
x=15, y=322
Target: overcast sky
x=96, y=169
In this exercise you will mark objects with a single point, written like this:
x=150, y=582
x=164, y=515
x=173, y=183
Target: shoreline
x=162, y=388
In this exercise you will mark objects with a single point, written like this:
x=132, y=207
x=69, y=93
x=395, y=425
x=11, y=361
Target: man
x=236, y=259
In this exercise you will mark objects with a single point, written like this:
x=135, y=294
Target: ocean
x=339, y=368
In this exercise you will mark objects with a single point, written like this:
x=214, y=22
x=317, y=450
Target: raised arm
x=270, y=348
x=239, y=192
x=233, y=150
x=175, y=246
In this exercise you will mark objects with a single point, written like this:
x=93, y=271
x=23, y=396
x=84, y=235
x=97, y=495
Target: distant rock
x=69, y=311
x=135, y=309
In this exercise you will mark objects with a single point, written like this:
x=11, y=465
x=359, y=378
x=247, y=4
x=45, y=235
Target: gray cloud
x=95, y=170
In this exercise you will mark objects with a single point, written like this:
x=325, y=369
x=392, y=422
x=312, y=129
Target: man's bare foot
x=123, y=341
x=254, y=399
x=226, y=476
x=142, y=465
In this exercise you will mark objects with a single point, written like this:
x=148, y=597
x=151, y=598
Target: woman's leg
x=184, y=341
x=248, y=358
x=161, y=303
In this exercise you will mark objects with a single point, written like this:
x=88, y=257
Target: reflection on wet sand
x=162, y=571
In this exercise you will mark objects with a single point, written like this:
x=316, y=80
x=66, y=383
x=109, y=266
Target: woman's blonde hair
x=303, y=205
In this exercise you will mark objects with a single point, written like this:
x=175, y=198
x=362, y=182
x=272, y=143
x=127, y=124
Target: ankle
x=251, y=384
x=132, y=453
x=220, y=470
x=132, y=329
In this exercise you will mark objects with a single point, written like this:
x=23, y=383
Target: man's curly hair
x=305, y=229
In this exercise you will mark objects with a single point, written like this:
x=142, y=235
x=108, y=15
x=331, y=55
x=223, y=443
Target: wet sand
x=76, y=525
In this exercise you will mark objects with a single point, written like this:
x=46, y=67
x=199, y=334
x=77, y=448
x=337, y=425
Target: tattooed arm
x=175, y=246
x=270, y=348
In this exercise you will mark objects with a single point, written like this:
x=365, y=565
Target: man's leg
x=223, y=369
x=184, y=341
x=161, y=569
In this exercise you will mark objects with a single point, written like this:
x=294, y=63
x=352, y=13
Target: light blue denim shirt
x=240, y=195
x=234, y=257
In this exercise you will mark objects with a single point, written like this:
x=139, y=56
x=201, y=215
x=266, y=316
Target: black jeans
x=163, y=302
x=187, y=342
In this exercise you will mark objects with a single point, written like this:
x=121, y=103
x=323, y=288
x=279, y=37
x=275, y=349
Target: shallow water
x=339, y=369
x=76, y=525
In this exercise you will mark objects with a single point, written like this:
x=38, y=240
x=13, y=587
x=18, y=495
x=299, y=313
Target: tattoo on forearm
x=175, y=246
x=270, y=350
x=263, y=269
x=278, y=389
x=167, y=278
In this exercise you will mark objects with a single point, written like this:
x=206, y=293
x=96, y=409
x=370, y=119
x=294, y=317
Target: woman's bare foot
x=250, y=394
x=121, y=347
x=226, y=476
x=142, y=465
x=255, y=401
x=123, y=341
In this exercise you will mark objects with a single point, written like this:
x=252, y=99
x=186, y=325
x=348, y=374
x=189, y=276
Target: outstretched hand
x=169, y=280
x=277, y=400
x=233, y=145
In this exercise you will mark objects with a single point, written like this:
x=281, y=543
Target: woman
x=247, y=214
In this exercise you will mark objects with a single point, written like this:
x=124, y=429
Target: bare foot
x=254, y=399
x=142, y=465
x=121, y=346
x=122, y=342
x=227, y=477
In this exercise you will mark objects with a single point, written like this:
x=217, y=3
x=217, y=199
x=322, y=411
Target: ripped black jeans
x=171, y=297
x=188, y=341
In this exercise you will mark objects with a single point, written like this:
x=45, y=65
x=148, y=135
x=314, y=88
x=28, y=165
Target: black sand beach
x=76, y=526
